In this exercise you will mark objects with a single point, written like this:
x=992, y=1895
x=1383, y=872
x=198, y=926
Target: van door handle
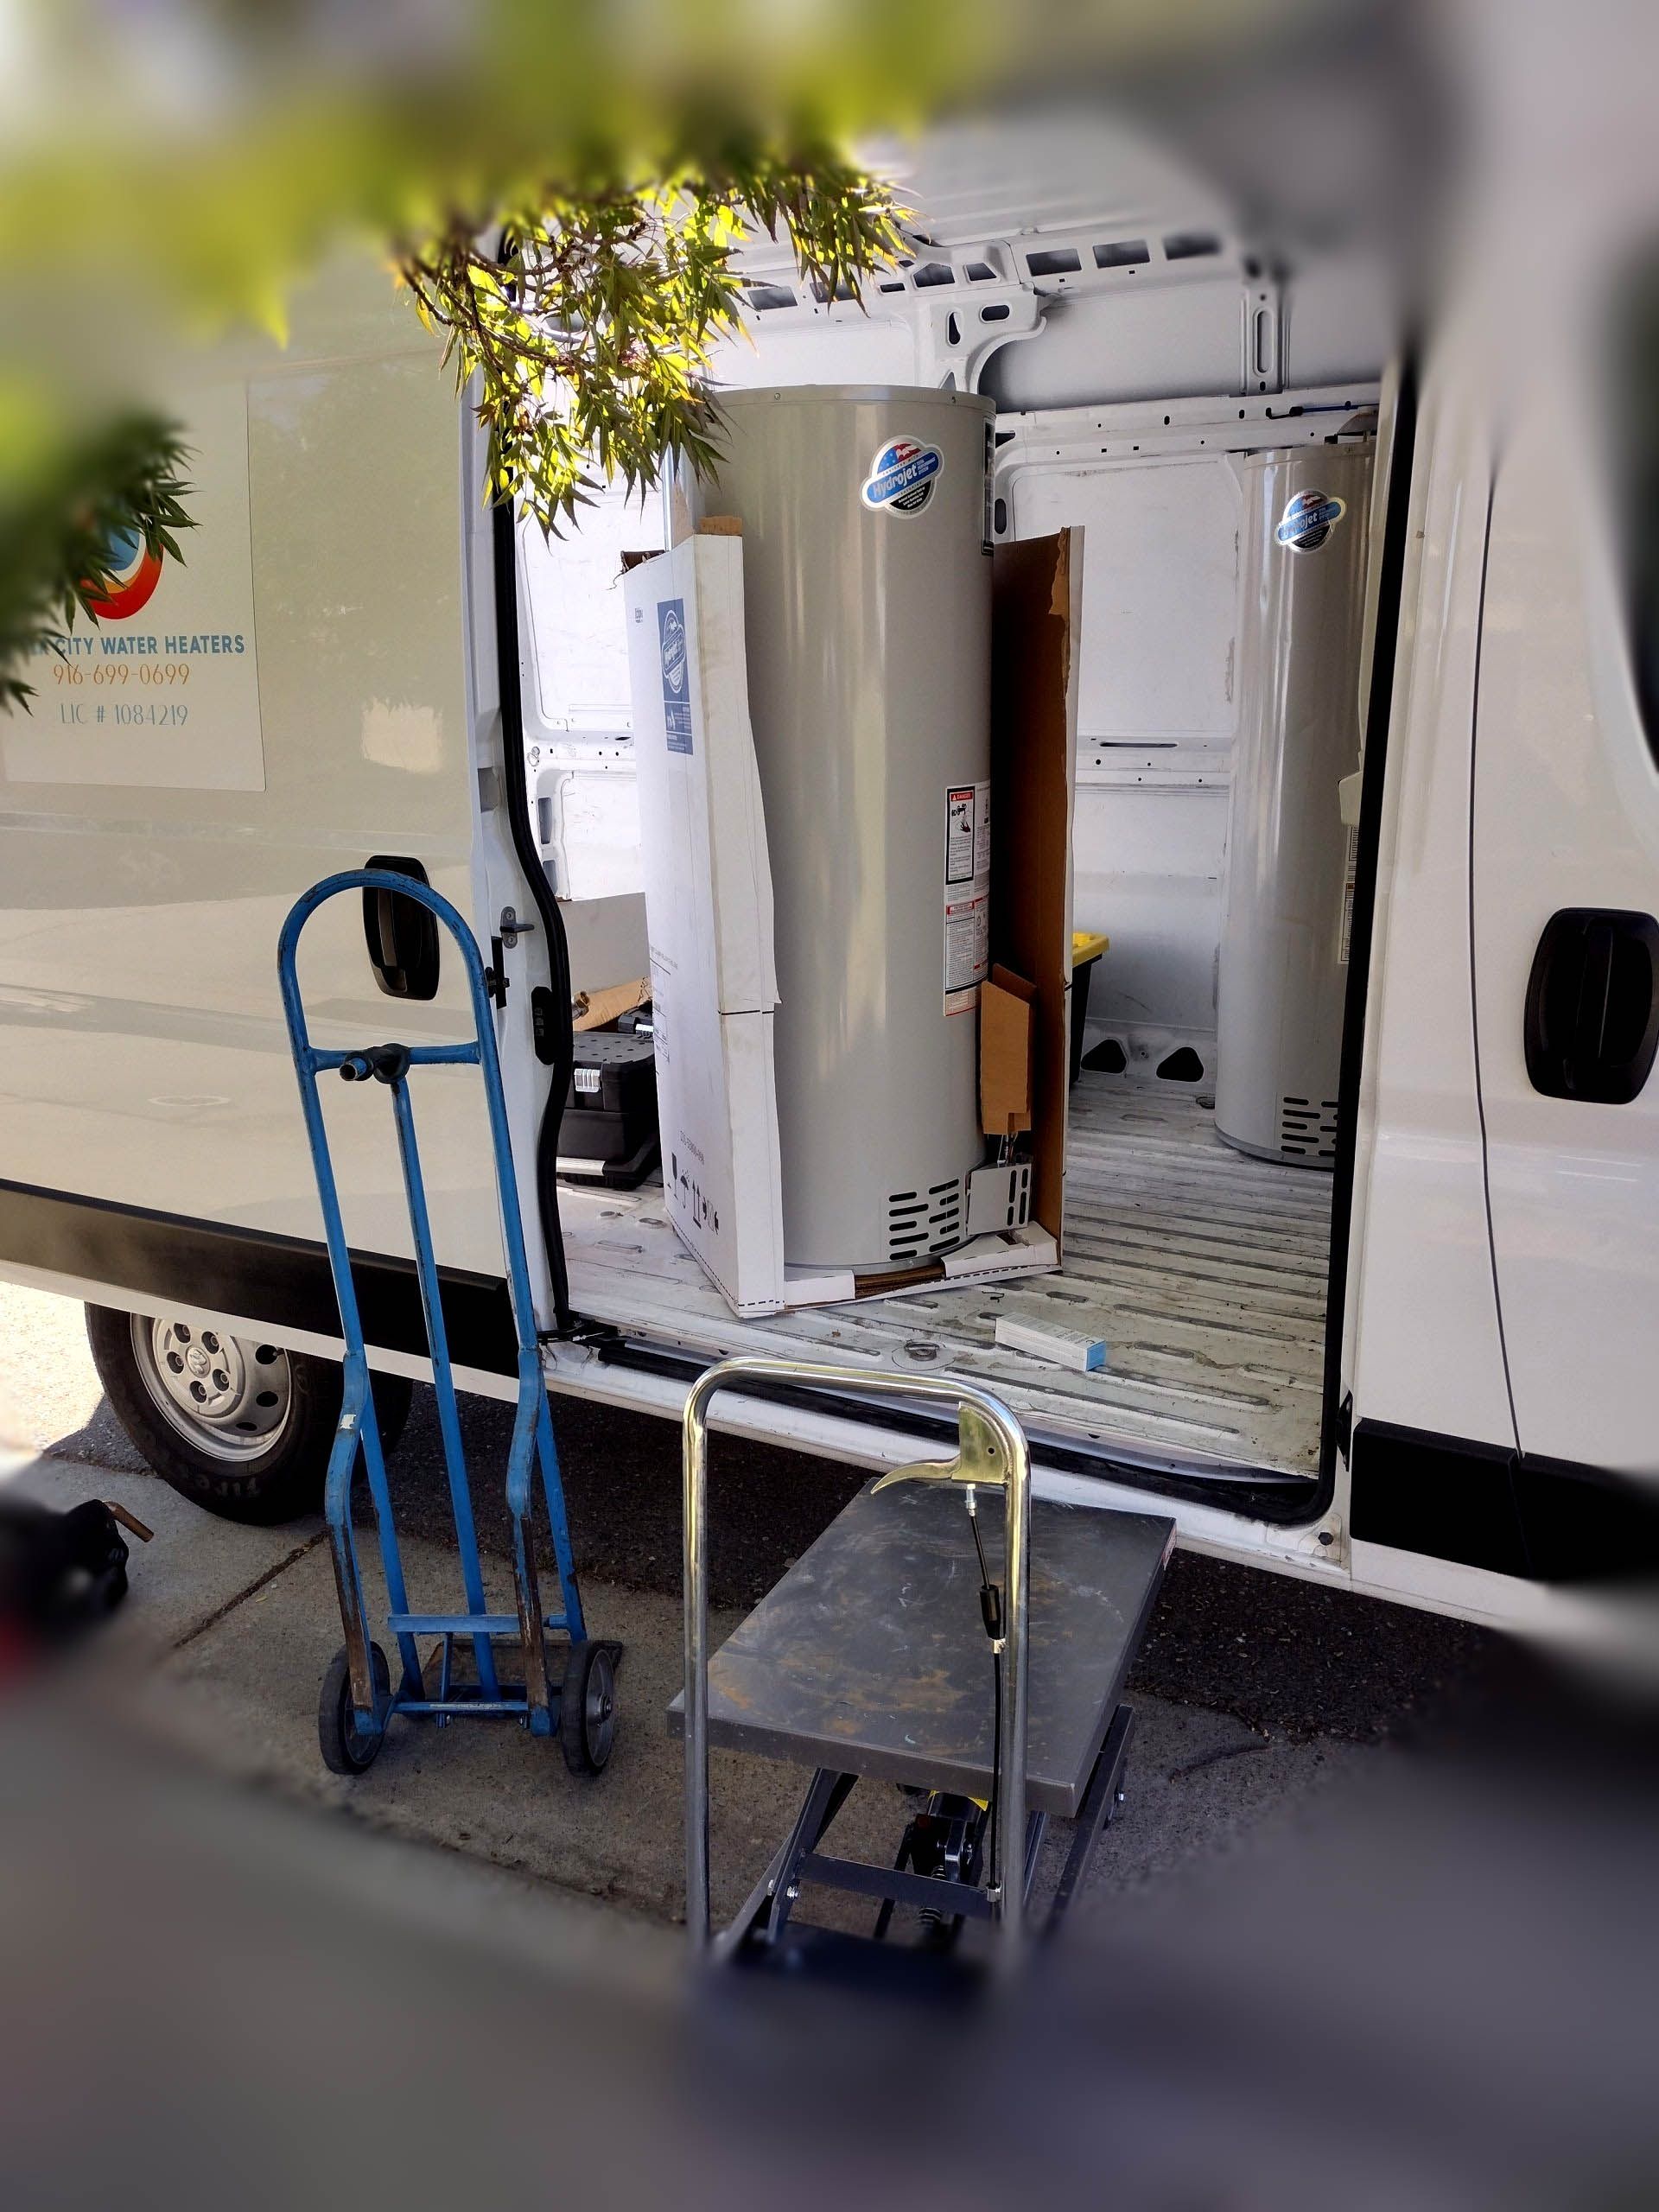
x=401, y=934
x=1593, y=1005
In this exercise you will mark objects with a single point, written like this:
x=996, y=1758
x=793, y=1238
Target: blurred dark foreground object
x=1432, y=1989
x=59, y=1571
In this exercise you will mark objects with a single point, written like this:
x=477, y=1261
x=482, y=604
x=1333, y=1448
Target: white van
x=1420, y=1367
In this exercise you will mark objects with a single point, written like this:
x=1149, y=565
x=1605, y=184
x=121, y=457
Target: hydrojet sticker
x=676, y=674
x=1309, y=520
x=902, y=477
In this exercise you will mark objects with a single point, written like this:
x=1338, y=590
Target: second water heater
x=1286, y=908
x=868, y=613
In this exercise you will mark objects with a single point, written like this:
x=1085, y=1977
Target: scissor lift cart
x=357, y=1698
x=870, y=1660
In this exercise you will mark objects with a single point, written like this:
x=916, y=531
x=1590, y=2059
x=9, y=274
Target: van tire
x=225, y=1466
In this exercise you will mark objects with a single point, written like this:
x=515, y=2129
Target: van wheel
x=241, y=1427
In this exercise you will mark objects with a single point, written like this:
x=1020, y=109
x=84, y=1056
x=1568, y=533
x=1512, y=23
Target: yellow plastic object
x=1086, y=946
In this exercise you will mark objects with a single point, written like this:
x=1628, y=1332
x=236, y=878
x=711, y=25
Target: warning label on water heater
x=967, y=894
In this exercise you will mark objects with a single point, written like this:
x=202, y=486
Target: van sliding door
x=1566, y=896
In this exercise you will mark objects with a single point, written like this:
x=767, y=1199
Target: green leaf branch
x=588, y=317
x=57, y=531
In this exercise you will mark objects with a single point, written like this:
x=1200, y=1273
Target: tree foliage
x=57, y=536
x=186, y=166
x=587, y=317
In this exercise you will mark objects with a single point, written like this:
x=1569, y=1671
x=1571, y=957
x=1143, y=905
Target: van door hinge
x=1346, y=1425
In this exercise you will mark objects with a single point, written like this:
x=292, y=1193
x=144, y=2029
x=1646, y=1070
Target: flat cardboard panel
x=709, y=915
x=703, y=829
x=1034, y=745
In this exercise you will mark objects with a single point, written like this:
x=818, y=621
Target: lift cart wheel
x=588, y=1708
x=348, y=1749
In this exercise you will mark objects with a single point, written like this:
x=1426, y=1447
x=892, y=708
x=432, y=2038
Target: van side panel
x=1566, y=823
x=143, y=1055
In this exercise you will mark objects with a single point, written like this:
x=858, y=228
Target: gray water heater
x=1286, y=903
x=867, y=612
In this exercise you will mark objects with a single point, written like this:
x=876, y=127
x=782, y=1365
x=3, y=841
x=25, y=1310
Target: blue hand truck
x=358, y=1700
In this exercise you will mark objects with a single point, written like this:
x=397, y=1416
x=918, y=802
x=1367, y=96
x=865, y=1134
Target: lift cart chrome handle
x=989, y=1433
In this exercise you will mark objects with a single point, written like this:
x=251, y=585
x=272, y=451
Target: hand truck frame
x=357, y=1699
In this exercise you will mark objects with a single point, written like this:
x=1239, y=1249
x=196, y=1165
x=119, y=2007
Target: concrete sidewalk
x=222, y=1645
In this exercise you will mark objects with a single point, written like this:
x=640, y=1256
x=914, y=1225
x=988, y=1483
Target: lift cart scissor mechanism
x=867, y=1661
x=358, y=1697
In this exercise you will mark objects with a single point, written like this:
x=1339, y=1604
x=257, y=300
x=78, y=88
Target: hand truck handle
x=979, y=1412
x=388, y=1062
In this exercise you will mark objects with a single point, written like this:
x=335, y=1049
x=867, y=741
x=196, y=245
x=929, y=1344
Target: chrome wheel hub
x=225, y=1394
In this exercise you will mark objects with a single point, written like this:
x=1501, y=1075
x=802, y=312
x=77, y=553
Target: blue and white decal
x=1308, y=520
x=902, y=476
x=676, y=674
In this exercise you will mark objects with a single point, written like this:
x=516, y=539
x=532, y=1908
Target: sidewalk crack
x=259, y=1582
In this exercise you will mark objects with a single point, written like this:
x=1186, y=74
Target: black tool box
x=608, y=1133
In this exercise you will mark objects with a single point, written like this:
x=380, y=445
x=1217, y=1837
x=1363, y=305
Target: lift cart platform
x=868, y=1656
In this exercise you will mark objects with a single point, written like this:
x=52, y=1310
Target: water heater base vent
x=923, y=1223
x=1307, y=1127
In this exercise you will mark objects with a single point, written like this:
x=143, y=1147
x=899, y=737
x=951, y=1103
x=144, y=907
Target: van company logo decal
x=134, y=570
x=902, y=477
x=1308, y=520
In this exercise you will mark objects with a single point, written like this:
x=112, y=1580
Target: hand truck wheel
x=346, y=1748
x=588, y=1708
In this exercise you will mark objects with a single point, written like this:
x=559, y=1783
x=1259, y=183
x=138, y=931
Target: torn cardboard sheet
x=1006, y=1005
x=597, y=1009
